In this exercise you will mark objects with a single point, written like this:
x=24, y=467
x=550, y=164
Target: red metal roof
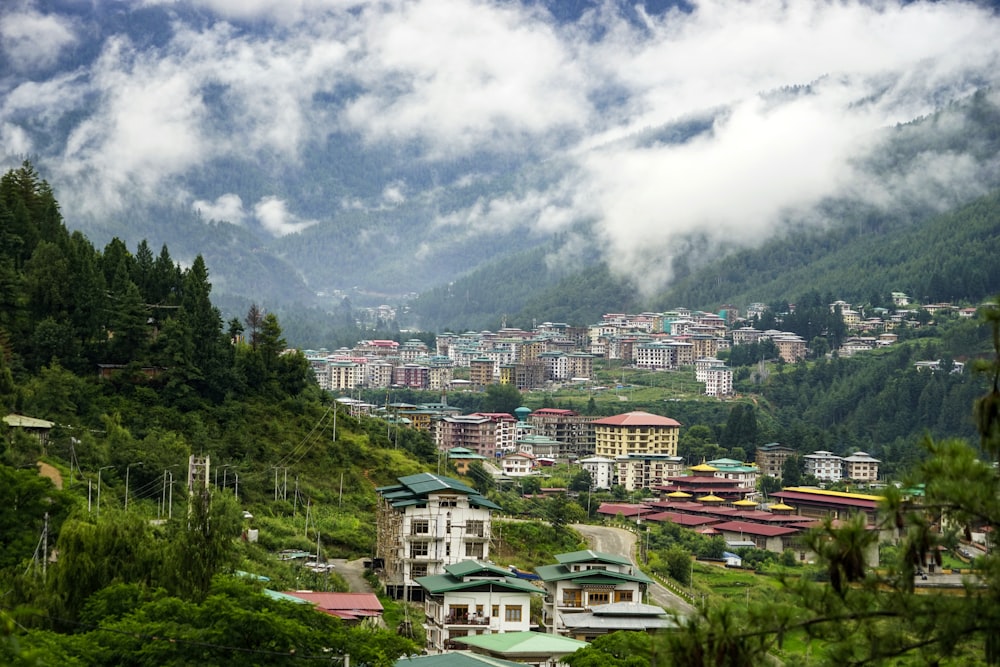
x=637, y=418
x=555, y=411
x=625, y=509
x=348, y=606
x=755, y=529
x=689, y=520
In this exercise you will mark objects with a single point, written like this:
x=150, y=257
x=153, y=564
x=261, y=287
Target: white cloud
x=32, y=40
x=227, y=207
x=463, y=75
x=444, y=79
x=273, y=215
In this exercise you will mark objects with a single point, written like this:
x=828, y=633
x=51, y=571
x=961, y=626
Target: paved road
x=622, y=543
x=353, y=572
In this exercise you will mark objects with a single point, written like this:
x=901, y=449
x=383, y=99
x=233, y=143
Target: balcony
x=573, y=603
x=466, y=619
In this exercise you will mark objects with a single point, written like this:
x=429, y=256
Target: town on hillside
x=553, y=355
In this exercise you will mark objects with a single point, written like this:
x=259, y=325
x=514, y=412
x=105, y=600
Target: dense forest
x=128, y=358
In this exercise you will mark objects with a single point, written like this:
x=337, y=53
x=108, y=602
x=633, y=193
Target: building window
x=420, y=527
x=419, y=549
x=595, y=598
x=474, y=550
x=512, y=614
x=623, y=596
x=418, y=570
x=495, y=611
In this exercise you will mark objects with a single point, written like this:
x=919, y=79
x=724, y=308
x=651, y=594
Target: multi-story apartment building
x=746, y=336
x=529, y=375
x=378, y=374
x=473, y=598
x=345, y=375
x=791, y=348
x=569, y=427
x=824, y=466
x=771, y=458
x=581, y=365
x=860, y=467
x=635, y=433
x=481, y=372
x=485, y=434
x=413, y=376
x=719, y=381
x=602, y=471
x=412, y=350
x=425, y=523
x=585, y=579
x=645, y=471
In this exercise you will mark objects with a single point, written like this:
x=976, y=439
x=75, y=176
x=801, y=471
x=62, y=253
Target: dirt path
x=45, y=470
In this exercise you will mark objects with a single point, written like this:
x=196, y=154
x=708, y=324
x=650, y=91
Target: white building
x=601, y=469
x=719, y=381
x=824, y=466
x=473, y=598
x=425, y=523
x=583, y=580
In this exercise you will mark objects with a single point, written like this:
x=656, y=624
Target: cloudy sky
x=459, y=77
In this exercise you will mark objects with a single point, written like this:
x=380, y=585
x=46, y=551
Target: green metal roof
x=523, y=643
x=589, y=555
x=455, y=659
x=561, y=573
x=468, y=568
x=444, y=583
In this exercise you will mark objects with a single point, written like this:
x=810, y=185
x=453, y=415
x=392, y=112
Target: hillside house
x=583, y=580
x=473, y=598
x=425, y=523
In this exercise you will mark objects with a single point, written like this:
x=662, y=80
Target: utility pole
x=127, y=469
x=99, y=489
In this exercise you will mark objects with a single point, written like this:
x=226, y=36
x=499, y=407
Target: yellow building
x=635, y=433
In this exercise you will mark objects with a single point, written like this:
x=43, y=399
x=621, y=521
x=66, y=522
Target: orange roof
x=637, y=418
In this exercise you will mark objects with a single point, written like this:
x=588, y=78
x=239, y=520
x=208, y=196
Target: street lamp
x=127, y=468
x=99, y=489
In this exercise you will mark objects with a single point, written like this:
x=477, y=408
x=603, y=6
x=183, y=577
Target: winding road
x=621, y=542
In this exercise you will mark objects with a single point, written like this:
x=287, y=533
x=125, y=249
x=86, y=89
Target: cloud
x=31, y=40
x=441, y=82
x=227, y=207
x=273, y=215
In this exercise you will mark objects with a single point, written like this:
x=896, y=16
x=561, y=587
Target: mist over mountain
x=312, y=146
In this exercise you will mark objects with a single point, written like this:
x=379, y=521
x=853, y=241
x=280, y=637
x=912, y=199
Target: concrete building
x=645, y=471
x=566, y=426
x=771, y=458
x=602, y=471
x=860, y=467
x=473, y=597
x=824, y=466
x=425, y=523
x=635, y=433
x=583, y=580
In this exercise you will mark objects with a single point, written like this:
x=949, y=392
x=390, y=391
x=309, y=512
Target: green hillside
x=125, y=359
x=948, y=257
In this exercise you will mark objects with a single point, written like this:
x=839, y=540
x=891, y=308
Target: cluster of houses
x=435, y=536
x=554, y=354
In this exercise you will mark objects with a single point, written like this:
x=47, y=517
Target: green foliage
x=527, y=544
x=618, y=649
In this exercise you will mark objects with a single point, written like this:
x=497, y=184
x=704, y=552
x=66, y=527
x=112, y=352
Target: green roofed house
x=424, y=523
x=534, y=648
x=585, y=579
x=474, y=598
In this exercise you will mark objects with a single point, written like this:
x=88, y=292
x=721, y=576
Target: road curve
x=622, y=543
